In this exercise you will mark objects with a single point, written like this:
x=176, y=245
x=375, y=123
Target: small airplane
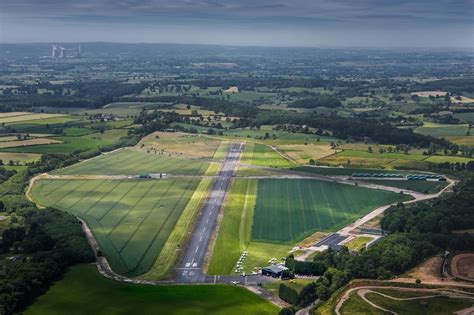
x=235, y=282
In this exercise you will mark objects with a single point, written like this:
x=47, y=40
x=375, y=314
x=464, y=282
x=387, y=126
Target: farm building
x=274, y=271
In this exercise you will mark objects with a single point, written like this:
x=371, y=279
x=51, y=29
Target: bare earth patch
x=428, y=271
x=462, y=266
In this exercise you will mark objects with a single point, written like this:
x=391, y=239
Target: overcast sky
x=317, y=23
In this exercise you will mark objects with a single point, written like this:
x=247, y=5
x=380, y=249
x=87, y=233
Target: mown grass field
x=303, y=153
x=84, y=291
x=131, y=219
x=289, y=210
x=235, y=233
x=346, y=171
x=133, y=162
x=262, y=155
x=181, y=143
x=422, y=186
x=176, y=241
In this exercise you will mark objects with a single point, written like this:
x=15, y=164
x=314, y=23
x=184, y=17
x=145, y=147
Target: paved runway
x=190, y=268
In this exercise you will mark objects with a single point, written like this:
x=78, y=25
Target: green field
x=358, y=243
x=73, y=143
x=289, y=210
x=84, y=291
x=132, y=162
x=235, y=233
x=262, y=155
x=441, y=130
x=347, y=171
x=422, y=186
x=131, y=219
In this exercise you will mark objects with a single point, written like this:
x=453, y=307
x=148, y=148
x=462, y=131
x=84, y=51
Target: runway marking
x=200, y=239
x=197, y=248
x=188, y=264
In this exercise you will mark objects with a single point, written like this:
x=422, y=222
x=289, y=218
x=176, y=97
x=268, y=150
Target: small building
x=274, y=271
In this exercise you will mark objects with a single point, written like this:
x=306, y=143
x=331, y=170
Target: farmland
x=83, y=291
x=440, y=130
x=131, y=219
x=288, y=210
x=182, y=144
x=133, y=162
x=23, y=116
x=21, y=158
x=70, y=144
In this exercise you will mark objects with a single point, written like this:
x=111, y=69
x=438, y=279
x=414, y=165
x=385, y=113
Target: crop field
x=7, y=118
x=181, y=143
x=131, y=219
x=465, y=117
x=422, y=186
x=462, y=140
x=18, y=157
x=441, y=130
x=235, y=233
x=28, y=142
x=132, y=162
x=287, y=211
x=84, y=291
x=70, y=144
x=262, y=155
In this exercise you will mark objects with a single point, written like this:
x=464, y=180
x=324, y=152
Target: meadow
x=287, y=211
x=84, y=291
x=133, y=162
x=131, y=219
x=181, y=143
x=436, y=305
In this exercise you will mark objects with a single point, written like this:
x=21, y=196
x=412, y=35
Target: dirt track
x=462, y=266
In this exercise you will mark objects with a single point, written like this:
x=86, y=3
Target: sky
x=311, y=23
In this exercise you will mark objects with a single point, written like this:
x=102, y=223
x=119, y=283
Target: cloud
x=454, y=18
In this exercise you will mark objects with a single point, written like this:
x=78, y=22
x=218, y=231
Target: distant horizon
x=269, y=23
x=392, y=48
